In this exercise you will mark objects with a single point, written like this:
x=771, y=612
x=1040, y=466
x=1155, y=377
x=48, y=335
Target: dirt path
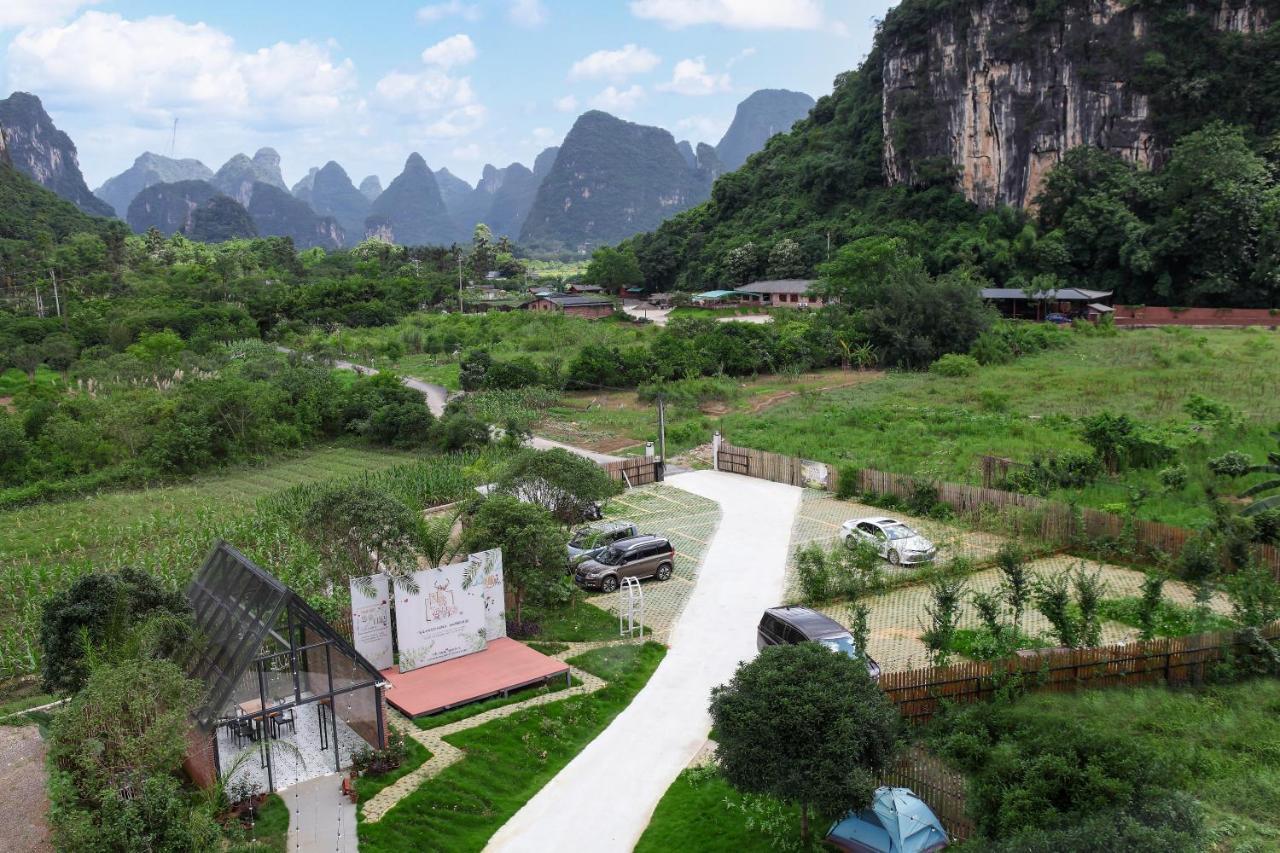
x=22, y=791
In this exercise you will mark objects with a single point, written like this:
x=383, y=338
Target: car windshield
x=841, y=645
x=899, y=532
x=611, y=557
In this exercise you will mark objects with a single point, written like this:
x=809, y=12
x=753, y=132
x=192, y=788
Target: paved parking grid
x=689, y=521
x=897, y=617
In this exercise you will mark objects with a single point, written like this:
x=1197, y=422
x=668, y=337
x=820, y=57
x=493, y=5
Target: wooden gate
x=733, y=460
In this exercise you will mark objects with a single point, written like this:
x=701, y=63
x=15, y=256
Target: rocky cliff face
x=149, y=169
x=276, y=213
x=764, y=113
x=999, y=95
x=35, y=147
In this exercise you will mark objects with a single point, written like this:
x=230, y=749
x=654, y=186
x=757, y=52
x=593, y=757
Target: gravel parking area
x=689, y=521
x=821, y=515
x=897, y=617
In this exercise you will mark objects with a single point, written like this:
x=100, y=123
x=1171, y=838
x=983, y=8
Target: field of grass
x=621, y=419
x=415, y=756
x=168, y=530
x=938, y=427
x=509, y=760
x=702, y=812
x=14, y=380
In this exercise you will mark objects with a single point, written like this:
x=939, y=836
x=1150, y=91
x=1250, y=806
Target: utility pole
x=828, y=246
x=460, y=283
x=662, y=431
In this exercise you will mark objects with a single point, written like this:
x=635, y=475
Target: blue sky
x=463, y=82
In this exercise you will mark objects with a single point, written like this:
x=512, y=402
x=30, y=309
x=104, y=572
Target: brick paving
x=689, y=521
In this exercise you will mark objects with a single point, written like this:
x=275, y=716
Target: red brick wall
x=1150, y=316
x=201, y=762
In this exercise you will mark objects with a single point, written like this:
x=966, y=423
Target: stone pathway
x=444, y=754
x=321, y=819
x=23, y=801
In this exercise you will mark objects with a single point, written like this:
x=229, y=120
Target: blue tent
x=897, y=821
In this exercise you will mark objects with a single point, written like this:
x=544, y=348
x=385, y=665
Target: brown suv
x=639, y=557
x=793, y=624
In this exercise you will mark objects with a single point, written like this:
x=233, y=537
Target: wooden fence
x=635, y=471
x=919, y=693
x=1051, y=521
x=942, y=788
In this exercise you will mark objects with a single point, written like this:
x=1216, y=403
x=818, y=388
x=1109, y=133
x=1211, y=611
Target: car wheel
x=609, y=584
x=894, y=558
x=664, y=572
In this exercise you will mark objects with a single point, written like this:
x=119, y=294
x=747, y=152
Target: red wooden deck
x=504, y=666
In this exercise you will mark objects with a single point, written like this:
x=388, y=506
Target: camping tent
x=897, y=821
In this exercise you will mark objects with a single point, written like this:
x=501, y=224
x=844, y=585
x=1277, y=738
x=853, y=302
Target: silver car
x=895, y=541
x=591, y=541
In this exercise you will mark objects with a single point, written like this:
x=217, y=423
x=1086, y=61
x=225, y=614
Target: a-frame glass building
x=286, y=697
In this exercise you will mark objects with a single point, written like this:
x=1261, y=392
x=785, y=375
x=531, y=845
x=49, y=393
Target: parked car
x=591, y=540
x=895, y=541
x=793, y=624
x=1058, y=319
x=639, y=557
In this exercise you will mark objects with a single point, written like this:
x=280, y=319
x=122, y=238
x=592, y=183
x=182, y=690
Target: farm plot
x=689, y=521
x=897, y=618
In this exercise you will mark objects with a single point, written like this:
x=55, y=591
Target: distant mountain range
x=610, y=179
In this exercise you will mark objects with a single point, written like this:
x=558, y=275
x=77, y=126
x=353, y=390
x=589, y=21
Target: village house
x=1069, y=302
x=579, y=306
x=788, y=293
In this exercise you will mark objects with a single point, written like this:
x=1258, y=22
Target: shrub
x=955, y=366
x=1046, y=473
x=813, y=573
x=1174, y=478
x=847, y=482
x=1233, y=463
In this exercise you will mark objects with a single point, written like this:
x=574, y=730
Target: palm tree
x=1272, y=466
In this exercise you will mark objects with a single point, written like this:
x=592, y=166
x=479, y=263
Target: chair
x=285, y=718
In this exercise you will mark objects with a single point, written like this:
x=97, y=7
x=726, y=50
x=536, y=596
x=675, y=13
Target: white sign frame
x=487, y=570
x=371, y=620
x=444, y=619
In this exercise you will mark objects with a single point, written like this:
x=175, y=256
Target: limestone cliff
x=998, y=93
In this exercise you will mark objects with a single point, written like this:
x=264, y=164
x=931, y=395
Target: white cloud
x=703, y=128
x=428, y=91
x=614, y=100
x=34, y=13
x=543, y=134
x=615, y=64
x=156, y=68
x=745, y=53
x=456, y=123
x=527, y=13
x=455, y=50
x=470, y=152
x=454, y=8
x=567, y=104
x=690, y=77
x=734, y=14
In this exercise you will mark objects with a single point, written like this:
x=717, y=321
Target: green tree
x=805, y=726
x=786, y=260
x=741, y=264
x=613, y=269
x=563, y=483
x=483, y=256
x=360, y=531
x=97, y=616
x=1271, y=483
x=533, y=555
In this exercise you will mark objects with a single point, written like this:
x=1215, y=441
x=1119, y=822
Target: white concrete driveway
x=603, y=799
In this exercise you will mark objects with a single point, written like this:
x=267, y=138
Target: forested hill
x=1147, y=133
x=33, y=220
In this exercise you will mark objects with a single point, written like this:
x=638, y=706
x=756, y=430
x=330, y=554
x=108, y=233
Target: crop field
x=428, y=346
x=939, y=427
x=167, y=531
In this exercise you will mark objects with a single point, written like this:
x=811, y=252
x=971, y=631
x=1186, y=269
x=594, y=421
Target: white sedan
x=895, y=541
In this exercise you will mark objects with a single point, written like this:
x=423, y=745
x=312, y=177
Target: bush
x=955, y=366
x=1174, y=478
x=1047, y=473
x=1233, y=463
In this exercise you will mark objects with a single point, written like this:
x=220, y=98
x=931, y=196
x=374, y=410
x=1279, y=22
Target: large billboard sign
x=443, y=619
x=487, y=570
x=371, y=619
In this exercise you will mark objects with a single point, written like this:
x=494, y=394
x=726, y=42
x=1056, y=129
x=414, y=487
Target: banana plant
x=1271, y=466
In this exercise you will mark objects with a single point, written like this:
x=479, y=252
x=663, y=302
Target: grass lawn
x=19, y=697
x=577, y=623
x=611, y=420
x=416, y=755
x=935, y=426
x=14, y=380
x=702, y=812
x=446, y=717
x=509, y=760
x=693, y=312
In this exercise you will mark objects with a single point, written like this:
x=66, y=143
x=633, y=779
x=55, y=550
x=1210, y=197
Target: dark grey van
x=794, y=624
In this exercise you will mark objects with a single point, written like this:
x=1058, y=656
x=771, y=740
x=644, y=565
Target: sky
x=462, y=82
